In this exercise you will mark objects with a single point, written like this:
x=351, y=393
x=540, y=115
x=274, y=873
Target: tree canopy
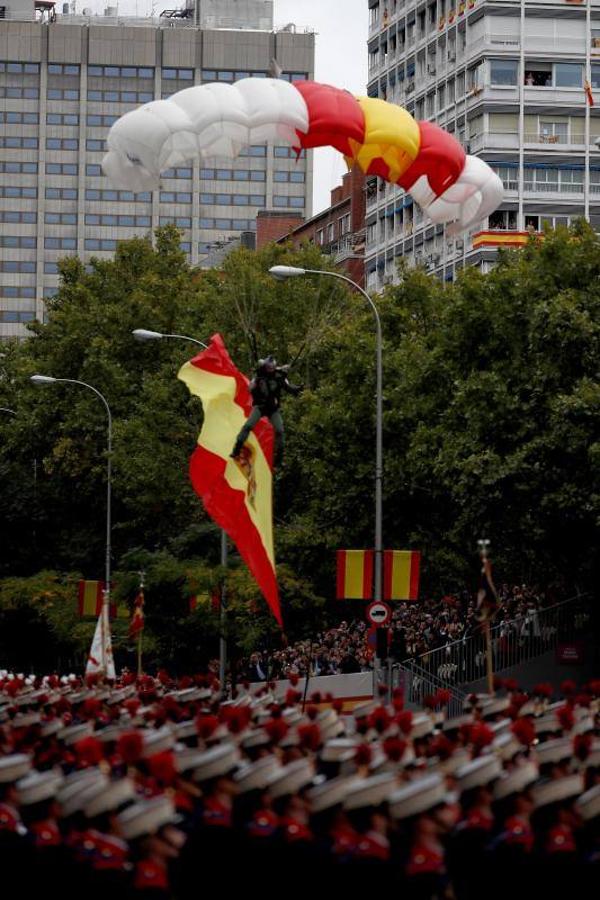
x=492, y=415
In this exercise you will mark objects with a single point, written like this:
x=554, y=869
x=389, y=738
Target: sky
x=340, y=27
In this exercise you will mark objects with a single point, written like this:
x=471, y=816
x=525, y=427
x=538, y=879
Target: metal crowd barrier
x=514, y=642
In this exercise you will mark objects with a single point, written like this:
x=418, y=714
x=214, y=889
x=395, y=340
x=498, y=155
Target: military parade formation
x=160, y=786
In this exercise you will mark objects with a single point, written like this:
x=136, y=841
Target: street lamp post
x=142, y=334
x=284, y=272
x=6, y=409
x=47, y=379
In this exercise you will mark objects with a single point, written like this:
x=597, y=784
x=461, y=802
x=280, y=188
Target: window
x=93, y=169
x=19, y=118
x=11, y=191
x=504, y=71
x=19, y=93
x=178, y=74
x=50, y=268
x=97, y=244
x=17, y=265
x=23, y=241
x=60, y=243
x=62, y=119
x=121, y=196
x=26, y=293
x=103, y=121
x=61, y=168
x=61, y=193
x=330, y=232
x=121, y=96
x=120, y=72
x=17, y=217
x=62, y=69
x=554, y=132
x=62, y=144
x=568, y=75
x=54, y=218
x=255, y=150
x=21, y=143
x=344, y=225
x=20, y=68
x=172, y=197
x=11, y=315
x=509, y=176
x=120, y=221
x=177, y=173
x=503, y=220
x=179, y=221
x=60, y=94
x=92, y=144
x=29, y=168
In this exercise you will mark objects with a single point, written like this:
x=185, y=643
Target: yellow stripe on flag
x=401, y=574
x=218, y=434
x=354, y=574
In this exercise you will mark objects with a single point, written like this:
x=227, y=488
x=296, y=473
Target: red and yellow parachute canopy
x=219, y=120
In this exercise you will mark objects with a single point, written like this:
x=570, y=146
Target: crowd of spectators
x=417, y=629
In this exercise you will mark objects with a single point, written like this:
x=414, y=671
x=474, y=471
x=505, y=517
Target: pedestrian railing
x=514, y=642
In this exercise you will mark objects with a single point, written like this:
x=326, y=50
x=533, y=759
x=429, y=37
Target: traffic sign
x=379, y=614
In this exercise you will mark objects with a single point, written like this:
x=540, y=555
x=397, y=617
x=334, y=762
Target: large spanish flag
x=354, y=574
x=237, y=494
x=401, y=570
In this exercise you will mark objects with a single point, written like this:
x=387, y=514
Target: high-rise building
x=514, y=81
x=65, y=78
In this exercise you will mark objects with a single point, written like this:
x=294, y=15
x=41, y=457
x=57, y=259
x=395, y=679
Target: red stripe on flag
x=216, y=359
x=388, y=565
x=340, y=585
x=415, y=571
x=227, y=507
x=368, y=575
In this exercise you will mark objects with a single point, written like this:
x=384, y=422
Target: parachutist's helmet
x=269, y=364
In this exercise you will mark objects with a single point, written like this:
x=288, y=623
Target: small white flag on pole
x=100, y=660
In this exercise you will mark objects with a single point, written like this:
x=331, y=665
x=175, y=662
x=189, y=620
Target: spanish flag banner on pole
x=237, y=494
x=138, y=621
x=90, y=598
x=354, y=574
x=401, y=570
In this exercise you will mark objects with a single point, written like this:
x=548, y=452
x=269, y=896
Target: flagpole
x=141, y=631
x=107, y=663
x=483, y=546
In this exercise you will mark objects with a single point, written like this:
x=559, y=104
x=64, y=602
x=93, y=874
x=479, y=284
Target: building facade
x=514, y=81
x=64, y=79
x=338, y=230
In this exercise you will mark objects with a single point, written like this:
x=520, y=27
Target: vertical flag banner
x=354, y=574
x=213, y=600
x=137, y=619
x=90, y=598
x=100, y=661
x=401, y=571
x=89, y=601
x=237, y=494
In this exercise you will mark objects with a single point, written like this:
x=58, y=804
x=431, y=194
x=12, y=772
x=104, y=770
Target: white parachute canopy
x=211, y=120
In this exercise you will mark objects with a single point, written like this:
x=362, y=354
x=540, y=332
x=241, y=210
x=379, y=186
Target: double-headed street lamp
x=284, y=272
x=143, y=334
x=47, y=379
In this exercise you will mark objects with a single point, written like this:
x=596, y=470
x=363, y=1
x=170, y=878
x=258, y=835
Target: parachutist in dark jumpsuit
x=266, y=388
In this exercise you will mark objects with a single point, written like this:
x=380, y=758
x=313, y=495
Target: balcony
x=556, y=140
x=553, y=188
x=350, y=246
x=494, y=140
